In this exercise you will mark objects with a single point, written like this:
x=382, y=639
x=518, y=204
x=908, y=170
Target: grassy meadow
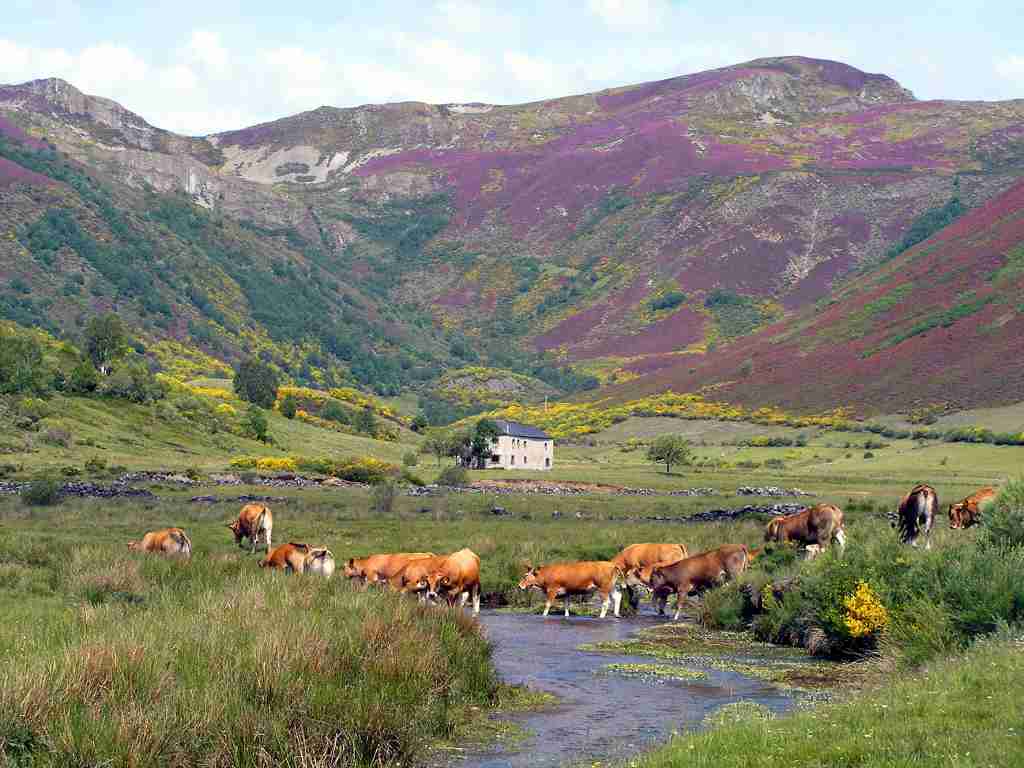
x=116, y=658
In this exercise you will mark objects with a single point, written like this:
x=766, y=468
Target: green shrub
x=289, y=406
x=455, y=475
x=413, y=479
x=410, y=459
x=22, y=368
x=1003, y=519
x=255, y=424
x=134, y=382
x=333, y=410
x=42, y=492
x=83, y=379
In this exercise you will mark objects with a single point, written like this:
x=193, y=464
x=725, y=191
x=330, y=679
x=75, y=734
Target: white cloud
x=100, y=69
x=205, y=49
x=1011, y=67
x=628, y=13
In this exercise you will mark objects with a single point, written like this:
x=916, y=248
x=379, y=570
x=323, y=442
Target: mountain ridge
x=608, y=230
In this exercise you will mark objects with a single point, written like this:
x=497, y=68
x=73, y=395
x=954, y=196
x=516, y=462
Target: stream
x=600, y=716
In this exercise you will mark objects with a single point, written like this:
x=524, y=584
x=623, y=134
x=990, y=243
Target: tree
x=366, y=421
x=22, y=369
x=438, y=444
x=83, y=379
x=419, y=423
x=473, y=447
x=256, y=383
x=105, y=341
x=289, y=406
x=255, y=424
x=670, y=449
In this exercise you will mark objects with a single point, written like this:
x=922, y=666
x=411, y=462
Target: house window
x=547, y=462
x=512, y=459
x=524, y=460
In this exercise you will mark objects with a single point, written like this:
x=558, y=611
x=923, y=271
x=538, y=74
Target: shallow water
x=600, y=716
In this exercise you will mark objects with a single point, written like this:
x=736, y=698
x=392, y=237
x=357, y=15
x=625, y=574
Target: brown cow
x=916, y=515
x=700, y=572
x=300, y=558
x=578, y=578
x=815, y=528
x=456, y=578
x=411, y=578
x=255, y=521
x=289, y=557
x=966, y=513
x=169, y=541
x=637, y=556
x=380, y=568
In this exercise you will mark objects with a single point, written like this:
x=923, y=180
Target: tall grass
x=214, y=662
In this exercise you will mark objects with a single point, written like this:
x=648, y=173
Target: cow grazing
x=967, y=512
x=380, y=568
x=300, y=558
x=700, y=572
x=320, y=561
x=457, y=577
x=815, y=527
x=255, y=522
x=638, y=556
x=169, y=541
x=579, y=578
x=916, y=515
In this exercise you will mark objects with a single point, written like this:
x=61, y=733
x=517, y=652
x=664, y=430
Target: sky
x=201, y=67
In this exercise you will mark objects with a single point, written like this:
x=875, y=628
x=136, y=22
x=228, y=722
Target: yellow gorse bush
x=865, y=614
x=574, y=419
x=224, y=409
x=266, y=463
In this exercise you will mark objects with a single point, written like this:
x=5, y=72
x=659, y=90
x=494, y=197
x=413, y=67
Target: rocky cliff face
x=632, y=224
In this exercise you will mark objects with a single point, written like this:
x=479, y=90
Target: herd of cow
x=663, y=569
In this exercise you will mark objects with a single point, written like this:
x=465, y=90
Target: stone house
x=520, y=446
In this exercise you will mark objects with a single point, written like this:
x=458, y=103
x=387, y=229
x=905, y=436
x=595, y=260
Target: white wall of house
x=512, y=452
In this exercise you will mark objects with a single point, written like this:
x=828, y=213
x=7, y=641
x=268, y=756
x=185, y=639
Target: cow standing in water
x=636, y=557
x=579, y=578
x=255, y=522
x=916, y=515
x=699, y=573
x=967, y=512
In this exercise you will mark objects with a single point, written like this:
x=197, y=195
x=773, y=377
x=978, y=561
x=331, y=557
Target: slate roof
x=515, y=429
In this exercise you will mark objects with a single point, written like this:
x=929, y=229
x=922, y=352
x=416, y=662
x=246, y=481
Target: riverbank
x=965, y=711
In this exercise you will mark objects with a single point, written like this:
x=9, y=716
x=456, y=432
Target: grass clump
x=42, y=492
x=196, y=671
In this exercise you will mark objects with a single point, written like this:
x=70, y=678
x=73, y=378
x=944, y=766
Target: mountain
x=619, y=231
x=939, y=325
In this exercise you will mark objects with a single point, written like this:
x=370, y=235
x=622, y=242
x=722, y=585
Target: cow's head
x=958, y=515
x=658, y=578
x=236, y=529
x=639, y=577
x=135, y=546
x=438, y=584
x=529, y=579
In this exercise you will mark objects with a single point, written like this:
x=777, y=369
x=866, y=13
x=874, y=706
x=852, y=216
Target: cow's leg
x=634, y=598
x=679, y=605
x=476, y=600
x=463, y=598
x=605, y=602
x=617, y=600
x=551, y=601
x=660, y=601
x=567, y=605
x=252, y=544
x=840, y=537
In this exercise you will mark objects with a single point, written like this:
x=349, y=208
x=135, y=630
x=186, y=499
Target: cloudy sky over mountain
x=198, y=67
